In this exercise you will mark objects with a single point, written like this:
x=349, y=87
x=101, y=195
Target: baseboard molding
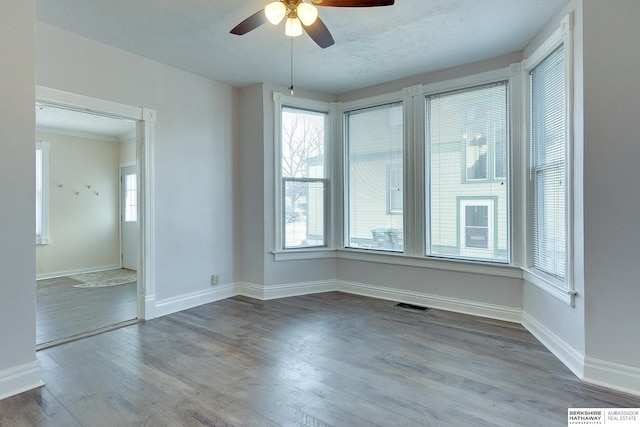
x=74, y=272
x=286, y=290
x=149, y=307
x=491, y=311
x=20, y=379
x=194, y=299
x=569, y=355
x=612, y=375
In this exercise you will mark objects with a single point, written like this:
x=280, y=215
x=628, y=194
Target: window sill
x=464, y=266
x=300, y=254
x=540, y=280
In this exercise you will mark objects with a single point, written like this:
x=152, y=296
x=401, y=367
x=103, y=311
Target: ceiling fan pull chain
x=291, y=87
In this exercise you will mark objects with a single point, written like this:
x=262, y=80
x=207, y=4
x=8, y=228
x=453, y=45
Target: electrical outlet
x=214, y=279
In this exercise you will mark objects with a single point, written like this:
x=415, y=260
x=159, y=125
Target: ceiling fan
x=301, y=15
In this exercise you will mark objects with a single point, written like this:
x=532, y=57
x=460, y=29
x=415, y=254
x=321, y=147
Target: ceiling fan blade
x=251, y=23
x=319, y=33
x=353, y=3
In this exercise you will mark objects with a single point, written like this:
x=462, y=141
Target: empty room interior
x=318, y=212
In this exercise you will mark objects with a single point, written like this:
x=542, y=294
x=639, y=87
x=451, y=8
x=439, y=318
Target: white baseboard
x=613, y=375
x=20, y=379
x=569, y=355
x=149, y=307
x=491, y=311
x=194, y=299
x=287, y=290
x=80, y=271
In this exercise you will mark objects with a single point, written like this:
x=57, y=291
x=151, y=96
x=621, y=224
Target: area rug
x=105, y=278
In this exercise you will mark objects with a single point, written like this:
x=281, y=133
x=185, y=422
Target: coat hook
x=88, y=185
x=76, y=192
x=97, y=193
x=60, y=185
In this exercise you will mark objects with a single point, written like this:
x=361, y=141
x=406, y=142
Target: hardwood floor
x=64, y=311
x=329, y=359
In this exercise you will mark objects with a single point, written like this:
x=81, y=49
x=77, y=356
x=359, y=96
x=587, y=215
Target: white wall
x=18, y=367
x=192, y=156
x=84, y=227
x=250, y=177
x=611, y=176
x=128, y=151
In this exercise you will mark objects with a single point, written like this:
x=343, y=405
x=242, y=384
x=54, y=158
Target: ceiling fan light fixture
x=275, y=12
x=293, y=27
x=307, y=13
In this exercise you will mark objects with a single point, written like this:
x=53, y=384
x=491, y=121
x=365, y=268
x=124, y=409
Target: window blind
x=375, y=178
x=548, y=164
x=467, y=147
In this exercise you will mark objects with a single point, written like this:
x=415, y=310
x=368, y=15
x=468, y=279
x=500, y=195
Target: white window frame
x=561, y=289
x=280, y=252
x=44, y=238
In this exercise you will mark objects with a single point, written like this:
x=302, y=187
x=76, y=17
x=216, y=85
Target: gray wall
x=193, y=151
x=611, y=177
x=18, y=369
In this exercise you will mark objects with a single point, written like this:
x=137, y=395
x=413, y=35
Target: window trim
x=280, y=252
x=44, y=238
x=563, y=290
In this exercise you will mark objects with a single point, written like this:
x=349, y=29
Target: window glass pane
x=548, y=148
x=467, y=144
x=38, y=192
x=477, y=227
x=303, y=143
x=131, y=199
x=375, y=178
x=303, y=172
x=304, y=212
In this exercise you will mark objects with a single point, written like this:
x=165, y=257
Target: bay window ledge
x=300, y=254
x=550, y=286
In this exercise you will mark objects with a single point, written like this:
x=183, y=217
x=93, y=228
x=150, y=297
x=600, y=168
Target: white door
x=129, y=216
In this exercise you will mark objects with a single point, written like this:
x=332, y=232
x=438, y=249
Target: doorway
x=93, y=294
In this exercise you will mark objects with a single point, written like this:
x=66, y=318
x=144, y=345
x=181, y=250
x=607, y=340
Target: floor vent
x=412, y=307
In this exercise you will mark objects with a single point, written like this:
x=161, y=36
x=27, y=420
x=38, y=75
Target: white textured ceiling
x=373, y=45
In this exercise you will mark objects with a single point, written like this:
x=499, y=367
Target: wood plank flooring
x=63, y=311
x=330, y=359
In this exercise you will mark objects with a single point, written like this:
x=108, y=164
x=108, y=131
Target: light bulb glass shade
x=307, y=13
x=293, y=27
x=275, y=12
